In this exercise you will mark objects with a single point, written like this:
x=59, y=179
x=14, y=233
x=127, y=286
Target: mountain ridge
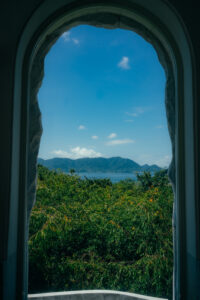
x=98, y=164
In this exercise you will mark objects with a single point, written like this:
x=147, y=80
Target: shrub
x=92, y=234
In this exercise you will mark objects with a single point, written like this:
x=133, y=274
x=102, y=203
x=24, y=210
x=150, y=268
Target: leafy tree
x=92, y=234
x=72, y=171
x=145, y=179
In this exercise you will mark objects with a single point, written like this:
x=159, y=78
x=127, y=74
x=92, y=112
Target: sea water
x=114, y=177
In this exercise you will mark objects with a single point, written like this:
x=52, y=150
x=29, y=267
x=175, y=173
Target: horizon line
x=154, y=164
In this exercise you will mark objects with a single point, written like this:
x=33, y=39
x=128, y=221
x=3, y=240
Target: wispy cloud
x=112, y=135
x=81, y=127
x=66, y=36
x=136, y=111
x=128, y=121
x=132, y=114
x=95, y=137
x=77, y=152
x=60, y=153
x=159, y=126
x=124, y=63
x=164, y=161
x=119, y=142
x=76, y=41
x=161, y=161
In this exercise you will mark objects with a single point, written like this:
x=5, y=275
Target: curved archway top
x=158, y=16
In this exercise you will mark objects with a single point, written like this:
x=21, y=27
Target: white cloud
x=60, y=153
x=112, y=135
x=67, y=38
x=120, y=142
x=76, y=41
x=159, y=127
x=161, y=161
x=95, y=137
x=132, y=114
x=129, y=121
x=137, y=111
x=77, y=152
x=81, y=127
x=164, y=161
x=124, y=63
x=140, y=109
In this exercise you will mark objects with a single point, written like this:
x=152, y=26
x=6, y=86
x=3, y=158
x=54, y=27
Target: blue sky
x=103, y=95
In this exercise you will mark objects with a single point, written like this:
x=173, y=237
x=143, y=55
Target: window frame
x=41, y=31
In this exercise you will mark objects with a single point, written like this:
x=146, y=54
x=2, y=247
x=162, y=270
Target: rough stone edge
x=105, y=20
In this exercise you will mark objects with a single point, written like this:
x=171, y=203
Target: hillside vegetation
x=92, y=234
x=98, y=164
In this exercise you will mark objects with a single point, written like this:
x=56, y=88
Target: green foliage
x=92, y=234
x=72, y=171
x=160, y=179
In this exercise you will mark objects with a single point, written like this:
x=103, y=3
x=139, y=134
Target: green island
x=95, y=234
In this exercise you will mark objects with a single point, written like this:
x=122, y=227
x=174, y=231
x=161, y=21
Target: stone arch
x=174, y=52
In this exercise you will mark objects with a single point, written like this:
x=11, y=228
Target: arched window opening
x=164, y=28
x=106, y=104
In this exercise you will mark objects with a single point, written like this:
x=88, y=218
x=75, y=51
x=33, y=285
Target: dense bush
x=92, y=234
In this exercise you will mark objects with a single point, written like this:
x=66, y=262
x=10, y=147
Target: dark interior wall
x=13, y=17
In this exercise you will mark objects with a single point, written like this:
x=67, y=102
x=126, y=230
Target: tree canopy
x=93, y=234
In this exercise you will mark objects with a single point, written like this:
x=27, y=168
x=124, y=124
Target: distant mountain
x=151, y=168
x=95, y=165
